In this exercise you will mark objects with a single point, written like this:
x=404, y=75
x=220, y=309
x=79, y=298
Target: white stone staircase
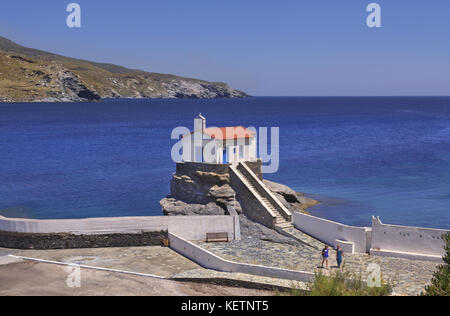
x=280, y=221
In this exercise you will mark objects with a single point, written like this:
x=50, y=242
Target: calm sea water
x=360, y=156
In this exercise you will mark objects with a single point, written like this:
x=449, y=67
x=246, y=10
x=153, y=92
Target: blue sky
x=286, y=48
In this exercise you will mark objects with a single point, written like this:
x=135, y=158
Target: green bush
x=342, y=283
x=439, y=283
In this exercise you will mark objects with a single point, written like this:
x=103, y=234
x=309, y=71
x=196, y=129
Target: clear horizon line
x=350, y=96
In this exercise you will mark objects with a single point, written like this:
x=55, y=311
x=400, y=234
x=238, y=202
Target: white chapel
x=219, y=145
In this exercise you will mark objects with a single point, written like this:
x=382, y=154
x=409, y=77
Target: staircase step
x=279, y=219
x=283, y=223
x=283, y=226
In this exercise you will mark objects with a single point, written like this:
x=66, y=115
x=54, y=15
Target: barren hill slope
x=28, y=74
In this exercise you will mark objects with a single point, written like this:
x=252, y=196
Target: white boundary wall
x=381, y=239
x=407, y=242
x=85, y=226
x=333, y=233
x=190, y=227
x=196, y=227
x=210, y=261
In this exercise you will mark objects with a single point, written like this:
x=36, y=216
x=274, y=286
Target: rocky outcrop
x=212, y=177
x=192, y=190
x=294, y=201
x=249, y=229
x=73, y=89
x=174, y=207
x=306, y=202
x=200, y=188
x=288, y=194
x=182, y=89
x=196, y=192
x=144, y=87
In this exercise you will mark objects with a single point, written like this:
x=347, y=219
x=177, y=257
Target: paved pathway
x=38, y=279
x=156, y=260
x=408, y=276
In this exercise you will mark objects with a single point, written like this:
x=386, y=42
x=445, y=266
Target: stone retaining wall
x=189, y=168
x=70, y=241
x=264, y=191
x=251, y=206
x=20, y=233
x=256, y=167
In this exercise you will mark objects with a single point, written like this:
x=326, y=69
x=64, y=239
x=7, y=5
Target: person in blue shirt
x=325, y=256
x=339, y=256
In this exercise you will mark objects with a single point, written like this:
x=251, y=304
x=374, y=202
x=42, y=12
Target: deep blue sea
x=359, y=156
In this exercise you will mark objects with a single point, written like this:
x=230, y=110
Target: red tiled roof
x=226, y=133
x=234, y=132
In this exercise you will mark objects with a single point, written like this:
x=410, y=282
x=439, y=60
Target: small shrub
x=440, y=282
x=342, y=283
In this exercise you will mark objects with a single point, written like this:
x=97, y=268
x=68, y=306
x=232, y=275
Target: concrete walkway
x=159, y=261
x=41, y=279
x=153, y=260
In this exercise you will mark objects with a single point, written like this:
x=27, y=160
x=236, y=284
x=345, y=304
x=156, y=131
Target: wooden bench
x=217, y=237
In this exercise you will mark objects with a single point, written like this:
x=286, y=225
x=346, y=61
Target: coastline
x=307, y=201
x=309, y=166
x=109, y=99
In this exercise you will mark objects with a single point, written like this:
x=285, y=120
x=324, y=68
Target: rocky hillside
x=32, y=75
